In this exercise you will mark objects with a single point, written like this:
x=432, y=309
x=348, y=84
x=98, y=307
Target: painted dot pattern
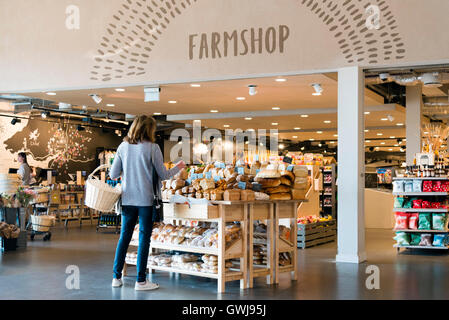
x=130, y=36
x=346, y=19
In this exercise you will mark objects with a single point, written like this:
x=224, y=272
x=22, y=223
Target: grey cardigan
x=135, y=162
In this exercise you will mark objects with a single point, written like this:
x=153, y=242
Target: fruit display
x=313, y=219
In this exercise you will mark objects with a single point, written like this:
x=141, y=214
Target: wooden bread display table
x=245, y=212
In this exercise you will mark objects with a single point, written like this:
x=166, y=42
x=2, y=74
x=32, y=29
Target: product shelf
x=422, y=178
x=422, y=194
x=421, y=231
x=420, y=247
x=420, y=210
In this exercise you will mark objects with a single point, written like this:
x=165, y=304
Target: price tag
x=287, y=160
x=200, y=176
x=217, y=178
x=242, y=185
x=208, y=175
x=290, y=168
x=257, y=187
x=194, y=176
x=189, y=181
x=241, y=170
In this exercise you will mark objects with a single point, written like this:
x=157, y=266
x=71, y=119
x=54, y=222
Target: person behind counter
x=24, y=171
x=138, y=156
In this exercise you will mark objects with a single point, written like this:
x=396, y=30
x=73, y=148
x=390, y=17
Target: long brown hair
x=143, y=129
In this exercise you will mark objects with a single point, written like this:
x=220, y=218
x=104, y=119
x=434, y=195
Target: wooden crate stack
x=313, y=234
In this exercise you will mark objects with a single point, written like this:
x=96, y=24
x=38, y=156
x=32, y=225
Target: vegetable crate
x=317, y=233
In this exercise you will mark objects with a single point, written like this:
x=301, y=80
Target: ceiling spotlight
x=195, y=85
x=367, y=112
x=214, y=111
x=51, y=93
x=327, y=121
x=281, y=146
x=14, y=121
x=157, y=113
x=380, y=134
x=318, y=89
x=311, y=139
x=172, y=101
x=295, y=137
x=240, y=98
x=336, y=135
x=276, y=108
x=399, y=124
x=248, y=118
x=303, y=148
x=152, y=94
x=368, y=141
x=297, y=128
x=319, y=132
x=280, y=80
x=110, y=105
x=274, y=124
x=382, y=143
x=120, y=90
x=366, y=130
x=392, y=137
x=384, y=119
x=97, y=99
x=226, y=125
x=304, y=116
x=252, y=90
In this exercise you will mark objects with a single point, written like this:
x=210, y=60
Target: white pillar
x=351, y=166
x=413, y=121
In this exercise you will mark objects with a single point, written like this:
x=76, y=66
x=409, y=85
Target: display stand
x=419, y=210
x=329, y=192
x=261, y=211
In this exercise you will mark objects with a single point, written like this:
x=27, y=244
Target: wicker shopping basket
x=99, y=195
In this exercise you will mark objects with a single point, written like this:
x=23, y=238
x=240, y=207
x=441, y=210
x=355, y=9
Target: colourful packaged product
x=402, y=238
x=398, y=202
x=426, y=240
x=413, y=221
x=436, y=187
x=439, y=221
x=439, y=240
x=415, y=239
x=425, y=220
x=408, y=186
x=401, y=220
x=417, y=185
x=398, y=186
x=426, y=204
x=417, y=204
x=427, y=186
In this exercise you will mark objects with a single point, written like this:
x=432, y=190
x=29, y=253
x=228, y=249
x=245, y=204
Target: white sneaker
x=117, y=283
x=147, y=285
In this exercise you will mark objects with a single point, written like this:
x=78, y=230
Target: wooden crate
x=313, y=234
x=194, y=211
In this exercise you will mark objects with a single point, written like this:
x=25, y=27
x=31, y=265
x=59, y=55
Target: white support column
x=351, y=166
x=413, y=121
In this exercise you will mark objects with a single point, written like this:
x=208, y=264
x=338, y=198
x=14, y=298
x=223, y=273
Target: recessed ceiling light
x=368, y=141
x=276, y=108
x=399, y=124
x=274, y=124
x=319, y=132
x=119, y=89
x=295, y=137
x=172, y=101
x=311, y=139
x=297, y=128
x=327, y=121
x=214, y=111
x=396, y=145
x=382, y=143
x=51, y=93
x=390, y=149
x=384, y=119
x=110, y=105
x=366, y=130
x=275, y=133
x=226, y=126
x=426, y=132
x=392, y=137
x=240, y=98
x=157, y=113
x=196, y=120
x=250, y=130
x=316, y=94
x=367, y=112
x=195, y=85
x=336, y=135
x=380, y=134
x=304, y=116
x=280, y=80
x=333, y=142
x=248, y=118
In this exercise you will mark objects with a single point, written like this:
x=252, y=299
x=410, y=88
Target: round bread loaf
x=268, y=183
x=286, y=181
x=278, y=189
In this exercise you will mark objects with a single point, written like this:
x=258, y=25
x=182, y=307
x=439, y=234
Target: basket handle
x=103, y=166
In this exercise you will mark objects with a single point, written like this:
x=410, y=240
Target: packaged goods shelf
x=421, y=231
x=420, y=247
x=421, y=178
x=422, y=194
x=420, y=210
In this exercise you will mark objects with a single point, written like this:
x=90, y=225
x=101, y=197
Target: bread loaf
x=247, y=195
x=268, y=183
x=299, y=194
x=182, y=174
x=216, y=195
x=207, y=184
x=301, y=171
x=199, y=195
x=268, y=173
x=286, y=181
x=231, y=195
x=242, y=178
x=288, y=174
x=281, y=196
x=278, y=189
x=301, y=183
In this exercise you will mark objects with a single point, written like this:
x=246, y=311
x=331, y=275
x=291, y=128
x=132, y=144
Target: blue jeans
x=129, y=220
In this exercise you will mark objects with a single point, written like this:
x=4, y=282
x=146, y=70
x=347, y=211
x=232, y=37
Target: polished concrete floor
x=39, y=272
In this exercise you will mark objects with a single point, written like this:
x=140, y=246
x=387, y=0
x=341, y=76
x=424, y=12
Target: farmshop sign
x=238, y=42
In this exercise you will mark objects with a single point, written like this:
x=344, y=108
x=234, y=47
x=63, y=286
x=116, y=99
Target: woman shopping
x=138, y=159
x=24, y=171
